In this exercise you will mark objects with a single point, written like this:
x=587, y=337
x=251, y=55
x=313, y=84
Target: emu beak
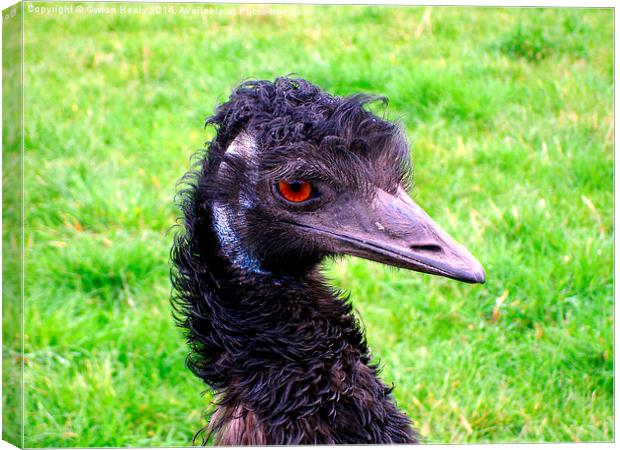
x=394, y=230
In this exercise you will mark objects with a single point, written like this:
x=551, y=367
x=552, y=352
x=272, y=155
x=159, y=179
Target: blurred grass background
x=510, y=117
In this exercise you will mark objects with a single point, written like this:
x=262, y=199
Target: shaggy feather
x=281, y=349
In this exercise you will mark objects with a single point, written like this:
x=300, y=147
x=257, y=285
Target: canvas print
x=292, y=224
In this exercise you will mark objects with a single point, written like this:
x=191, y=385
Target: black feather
x=281, y=349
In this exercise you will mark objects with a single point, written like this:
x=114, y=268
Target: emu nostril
x=433, y=248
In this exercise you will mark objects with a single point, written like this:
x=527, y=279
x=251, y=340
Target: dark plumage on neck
x=282, y=350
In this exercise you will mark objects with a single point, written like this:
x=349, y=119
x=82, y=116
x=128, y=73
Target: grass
x=510, y=116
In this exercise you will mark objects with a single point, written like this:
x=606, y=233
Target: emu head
x=296, y=174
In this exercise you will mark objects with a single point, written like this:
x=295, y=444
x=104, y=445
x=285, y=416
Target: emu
x=295, y=175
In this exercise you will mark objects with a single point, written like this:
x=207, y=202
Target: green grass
x=509, y=112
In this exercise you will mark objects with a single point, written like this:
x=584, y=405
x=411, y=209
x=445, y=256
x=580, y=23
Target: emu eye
x=295, y=191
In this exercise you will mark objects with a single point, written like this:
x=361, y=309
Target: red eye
x=295, y=191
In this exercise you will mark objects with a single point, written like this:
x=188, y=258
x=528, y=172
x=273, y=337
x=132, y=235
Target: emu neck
x=278, y=318
x=286, y=356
